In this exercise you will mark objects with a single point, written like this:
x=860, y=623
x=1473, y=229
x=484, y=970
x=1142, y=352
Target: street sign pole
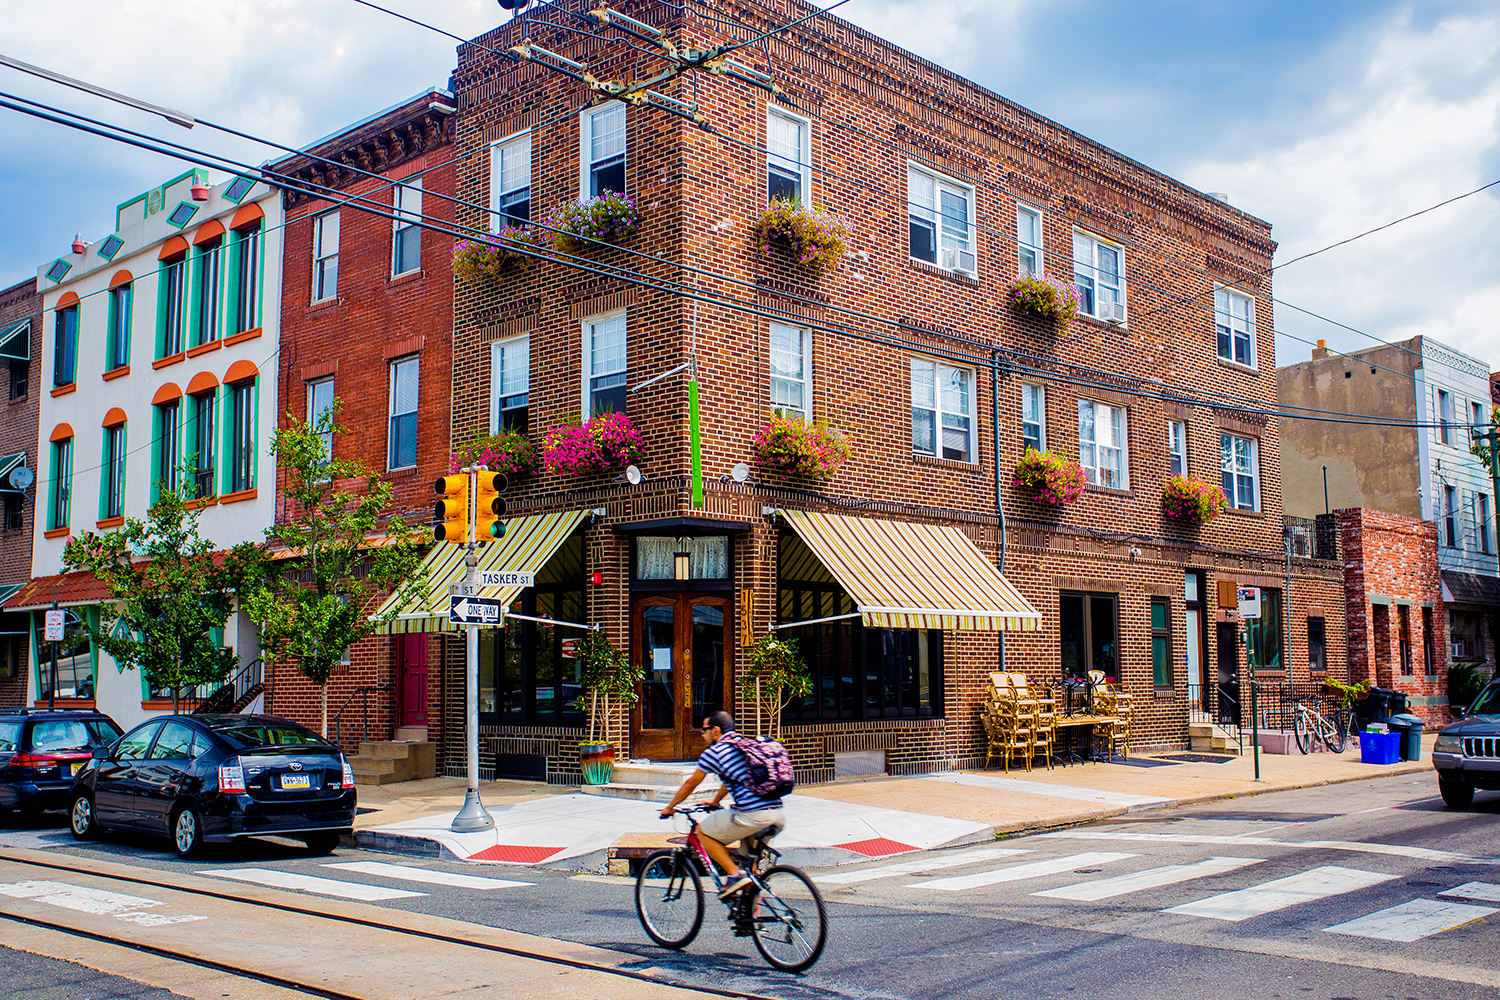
x=52, y=688
x=1249, y=609
x=473, y=816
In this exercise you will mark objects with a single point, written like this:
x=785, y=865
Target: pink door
x=411, y=668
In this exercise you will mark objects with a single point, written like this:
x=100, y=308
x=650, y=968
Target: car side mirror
x=101, y=753
x=1459, y=711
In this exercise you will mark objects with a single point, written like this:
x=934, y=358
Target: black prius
x=215, y=778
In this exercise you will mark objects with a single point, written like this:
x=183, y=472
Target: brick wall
x=18, y=433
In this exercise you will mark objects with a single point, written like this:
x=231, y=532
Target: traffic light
x=489, y=507
x=452, y=511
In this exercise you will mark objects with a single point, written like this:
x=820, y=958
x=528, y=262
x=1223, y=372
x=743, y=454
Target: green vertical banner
x=696, y=437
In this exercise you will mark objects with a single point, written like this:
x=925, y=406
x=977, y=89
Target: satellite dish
x=21, y=477
x=633, y=475
x=740, y=472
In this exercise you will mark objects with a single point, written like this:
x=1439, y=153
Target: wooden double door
x=682, y=642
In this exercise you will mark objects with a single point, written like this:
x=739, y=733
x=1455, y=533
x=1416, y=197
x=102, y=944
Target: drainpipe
x=999, y=505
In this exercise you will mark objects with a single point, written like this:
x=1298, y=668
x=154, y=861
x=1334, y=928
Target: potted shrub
x=605, y=443
x=792, y=447
x=1193, y=502
x=815, y=238
x=773, y=678
x=510, y=452
x=1049, y=478
x=1046, y=297
x=494, y=257
x=609, y=680
x=607, y=218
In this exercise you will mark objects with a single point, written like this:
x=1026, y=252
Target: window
x=1450, y=516
x=1463, y=632
x=1317, y=642
x=1161, y=642
x=1477, y=425
x=510, y=385
x=117, y=335
x=1263, y=634
x=526, y=674
x=1234, y=326
x=1241, y=465
x=1088, y=626
x=1403, y=637
x=242, y=436
x=319, y=402
x=65, y=350
x=406, y=244
x=174, y=743
x=604, y=387
x=113, y=495
x=167, y=476
x=20, y=375
x=787, y=157
x=791, y=370
x=74, y=664
x=602, y=135
x=1102, y=444
x=325, y=256
x=15, y=513
x=656, y=556
x=510, y=182
x=1177, y=448
x=1029, y=240
x=1098, y=271
x=1445, y=416
x=942, y=411
x=1482, y=514
x=204, y=426
x=941, y=216
x=173, y=307
x=61, y=497
x=401, y=449
x=1033, y=417
x=206, y=293
x=247, y=267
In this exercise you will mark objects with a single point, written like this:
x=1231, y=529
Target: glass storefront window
x=526, y=673
x=75, y=660
x=1263, y=634
x=1089, y=638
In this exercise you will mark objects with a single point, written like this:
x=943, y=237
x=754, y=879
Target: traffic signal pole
x=473, y=816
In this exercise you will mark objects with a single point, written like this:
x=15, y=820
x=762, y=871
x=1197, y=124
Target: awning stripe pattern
x=529, y=542
x=15, y=342
x=903, y=574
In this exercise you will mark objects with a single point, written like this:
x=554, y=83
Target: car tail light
x=231, y=779
x=348, y=775
x=31, y=760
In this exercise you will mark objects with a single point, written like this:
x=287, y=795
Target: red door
x=411, y=669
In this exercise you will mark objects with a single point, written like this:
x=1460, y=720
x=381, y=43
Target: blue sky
x=1324, y=118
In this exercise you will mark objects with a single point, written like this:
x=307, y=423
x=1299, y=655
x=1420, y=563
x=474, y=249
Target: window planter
x=510, y=452
x=1048, y=478
x=793, y=448
x=608, y=218
x=1046, y=298
x=815, y=239
x=1192, y=502
x=494, y=258
x=607, y=443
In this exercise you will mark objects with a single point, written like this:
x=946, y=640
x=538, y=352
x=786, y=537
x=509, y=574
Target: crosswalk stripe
x=1237, y=840
x=1105, y=888
x=1015, y=873
x=427, y=876
x=312, y=883
x=1412, y=921
x=924, y=865
x=1487, y=892
x=1316, y=883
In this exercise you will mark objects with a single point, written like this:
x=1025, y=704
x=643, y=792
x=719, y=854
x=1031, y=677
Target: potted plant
x=1049, y=478
x=774, y=677
x=605, y=443
x=494, y=257
x=608, y=218
x=795, y=448
x=1046, y=297
x=815, y=238
x=510, y=452
x=610, y=680
x=1193, y=502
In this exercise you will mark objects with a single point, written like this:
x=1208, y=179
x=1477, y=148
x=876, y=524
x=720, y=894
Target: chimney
x=1321, y=351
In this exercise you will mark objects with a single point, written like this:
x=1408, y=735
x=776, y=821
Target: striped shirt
x=729, y=764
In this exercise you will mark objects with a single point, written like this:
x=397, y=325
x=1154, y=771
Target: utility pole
x=473, y=816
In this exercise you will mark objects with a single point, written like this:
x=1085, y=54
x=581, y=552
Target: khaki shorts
x=729, y=825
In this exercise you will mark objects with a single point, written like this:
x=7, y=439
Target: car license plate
x=296, y=781
x=77, y=766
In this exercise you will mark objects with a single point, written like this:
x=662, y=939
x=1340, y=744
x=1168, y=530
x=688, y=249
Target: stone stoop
x=650, y=782
x=389, y=761
x=1206, y=737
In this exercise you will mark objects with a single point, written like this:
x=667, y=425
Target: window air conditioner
x=954, y=259
x=1112, y=312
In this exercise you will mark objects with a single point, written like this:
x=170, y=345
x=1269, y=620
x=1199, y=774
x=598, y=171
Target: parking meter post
x=473, y=816
x=52, y=687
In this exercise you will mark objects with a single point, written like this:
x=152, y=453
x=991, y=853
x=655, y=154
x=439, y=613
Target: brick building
x=366, y=312
x=910, y=350
x=20, y=343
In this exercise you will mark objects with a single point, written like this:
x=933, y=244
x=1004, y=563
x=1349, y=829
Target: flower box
x=794, y=448
x=815, y=239
x=493, y=258
x=1193, y=502
x=1049, y=478
x=607, y=218
x=1046, y=297
x=606, y=443
x=510, y=452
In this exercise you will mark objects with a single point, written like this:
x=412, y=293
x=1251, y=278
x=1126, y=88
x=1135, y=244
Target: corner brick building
x=910, y=350
x=20, y=346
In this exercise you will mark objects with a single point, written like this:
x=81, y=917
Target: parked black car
x=1467, y=752
x=40, y=752
x=214, y=778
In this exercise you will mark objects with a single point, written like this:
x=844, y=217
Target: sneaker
x=734, y=886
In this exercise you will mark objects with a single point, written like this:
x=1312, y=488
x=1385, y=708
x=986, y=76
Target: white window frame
x=1030, y=391
x=940, y=412
x=498, y=350
x=586, y=119
x=406, y=206
x=1224, y=297
x=1483, y=514
x=1116, y=440
x=805, y=383
x=1090, y=284
x=396, y=365
x=587, y=332
x=1450, y=537
x=1477, y=423
x=514, y=147
x=322, y=256
x=1445, y=416
x=1230, y=458
x=1177, y=461
x=1023, y=249
x=804, y=154
x=932, y=215
x=314, y=411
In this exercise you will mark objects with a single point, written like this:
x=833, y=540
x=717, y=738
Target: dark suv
x=1467, y=752
x=41, y=751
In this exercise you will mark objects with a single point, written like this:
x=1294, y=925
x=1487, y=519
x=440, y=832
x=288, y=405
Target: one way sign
x=475, y=611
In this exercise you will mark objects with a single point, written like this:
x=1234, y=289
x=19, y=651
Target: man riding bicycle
x=750, y=815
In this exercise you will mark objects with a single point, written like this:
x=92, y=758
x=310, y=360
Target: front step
x=388, y=761
x=1206, y=737
x=649, y=782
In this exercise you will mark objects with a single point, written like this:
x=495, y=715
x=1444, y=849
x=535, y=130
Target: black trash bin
x=1410, y=729
x=1377, y=706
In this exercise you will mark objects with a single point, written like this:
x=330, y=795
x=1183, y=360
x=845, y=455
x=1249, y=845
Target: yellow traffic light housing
x=489, y=507
x=452, y=511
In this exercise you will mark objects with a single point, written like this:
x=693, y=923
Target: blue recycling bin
x=1379, y=748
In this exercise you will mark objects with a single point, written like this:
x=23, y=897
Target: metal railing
x=364, y=694
x=238, y=691
x=1218, y=705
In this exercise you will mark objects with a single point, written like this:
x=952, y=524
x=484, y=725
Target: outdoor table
x=1086, y=722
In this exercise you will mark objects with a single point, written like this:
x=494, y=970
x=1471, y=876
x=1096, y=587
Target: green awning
x=15, y=342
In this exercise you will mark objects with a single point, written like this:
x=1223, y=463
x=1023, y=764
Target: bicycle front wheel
x=669, y=899
x=788, y=920
x=1304, y=731
x=1336, y=731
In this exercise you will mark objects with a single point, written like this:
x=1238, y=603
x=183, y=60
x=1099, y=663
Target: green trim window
x=203, y=422
x=112, y=474
x=60, y=500
x=1161, y=642
x=242, y=435
x=117, y=335
x=65, y=347
x=207, y=287
x=166, y=462
x=171, y=307
x=246, y=267
x=238, y=188
x=1263, y=634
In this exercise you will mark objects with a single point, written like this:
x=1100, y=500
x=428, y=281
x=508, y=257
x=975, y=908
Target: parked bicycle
x=781, y=910
x=1310, y=723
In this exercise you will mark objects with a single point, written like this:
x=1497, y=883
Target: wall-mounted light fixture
x=78, y=245
x=200, y=191
x=631, y=475
x=738, y=474
x=682, y=563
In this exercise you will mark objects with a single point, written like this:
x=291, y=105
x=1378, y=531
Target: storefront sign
x=747, y=616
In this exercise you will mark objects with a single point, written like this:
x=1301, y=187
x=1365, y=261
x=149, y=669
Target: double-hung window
x=1176, y=448
x=1240, y=459
x=602, y=142
x=1482, y=514
x=319, y=403
x=167, y=476
x=1477, y=425
x=1234, y=326
x=787, y=157
x=1102, y=444
x=402, y=446
x=247, y=275
x=325, y=256
x=242, y=435
x=60, y=500
x=1450, y=516
x=1445, y=416
x=1033, y=417
x=940, y=214
x=117, y=335
x=1029, y=240
x=174, y=307
x=510, y=385
x=604, y=382
x=20, y=375
x=942, y=410
x=791, y=370
x=206, y=295
x=406, y=240
x=65, y=350
x=113, y=498
x=510, y=182
x=205, y=426
x=1099, y=273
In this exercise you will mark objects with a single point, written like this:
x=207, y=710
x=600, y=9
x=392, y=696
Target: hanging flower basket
x=1049, y=478
x=1192, y=502
x=815, y=239
x=606, y=443
x=1046, y=297
x=494, y=258
x=794, y=448
x=608, y=218
x=510, y=452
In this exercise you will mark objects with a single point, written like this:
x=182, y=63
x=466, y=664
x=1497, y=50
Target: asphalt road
x=1351, y=893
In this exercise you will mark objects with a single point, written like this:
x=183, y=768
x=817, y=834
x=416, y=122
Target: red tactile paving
x=879, y=847
x=517, y=853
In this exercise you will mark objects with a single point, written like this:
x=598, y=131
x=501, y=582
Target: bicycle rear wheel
x=1336, y=731
x=788, y=920
x=669, y=899
x=1303, y=730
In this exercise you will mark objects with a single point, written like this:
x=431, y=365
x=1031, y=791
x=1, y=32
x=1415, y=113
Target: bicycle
x=781, y=910
x=1309, y=722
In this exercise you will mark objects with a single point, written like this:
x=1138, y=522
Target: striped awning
x=902, y=574
x=15, y=342
x=528, y=543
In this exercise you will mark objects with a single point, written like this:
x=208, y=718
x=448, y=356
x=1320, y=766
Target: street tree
x=346, y=549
